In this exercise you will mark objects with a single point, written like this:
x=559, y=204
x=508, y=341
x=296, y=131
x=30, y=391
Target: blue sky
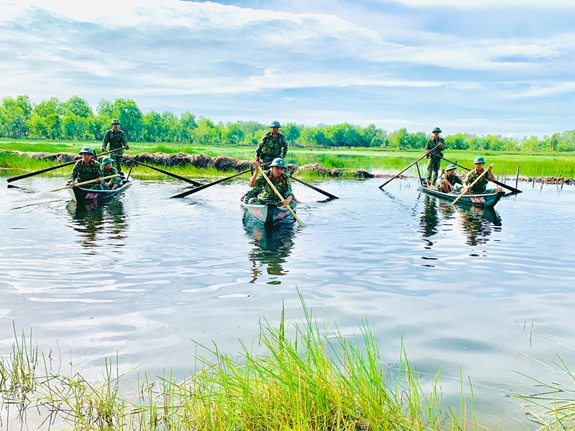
x=484, y=66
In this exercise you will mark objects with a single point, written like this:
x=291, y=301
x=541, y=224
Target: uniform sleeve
x=260, y=183
x=289, y=191
x=427, y=147
x=98, y=169
x=284, y=147
x=74, y=174
x=124, y=139
x=260, y=146
x=105, y=140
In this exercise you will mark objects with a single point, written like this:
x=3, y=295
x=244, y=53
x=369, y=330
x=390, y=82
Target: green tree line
x=74, y=119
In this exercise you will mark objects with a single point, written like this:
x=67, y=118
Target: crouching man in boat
x=449, y=179
x=265, y=193
x=86, y=169
x=107, y=170
x=480, y=187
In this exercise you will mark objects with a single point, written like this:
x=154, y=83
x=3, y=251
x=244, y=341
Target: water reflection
x=93, y=219
x=271, y=248
x=478, y=223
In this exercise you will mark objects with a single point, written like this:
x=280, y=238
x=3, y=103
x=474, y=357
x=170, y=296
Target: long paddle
x=323, y=192
x=31, y=174
x=513, y=189
x=301, y=223
x=470, y=186
x=397, y=175
x=187, y=180
x=81, y=184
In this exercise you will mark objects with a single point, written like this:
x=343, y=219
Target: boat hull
x=80, y=194
x=269, y=214
x=486, y=200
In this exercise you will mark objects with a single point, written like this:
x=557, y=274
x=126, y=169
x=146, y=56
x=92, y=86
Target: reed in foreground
x=303, y=377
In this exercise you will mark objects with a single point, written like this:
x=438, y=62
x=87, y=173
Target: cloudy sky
x=480, y=66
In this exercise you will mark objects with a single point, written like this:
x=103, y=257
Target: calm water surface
x=487, y=293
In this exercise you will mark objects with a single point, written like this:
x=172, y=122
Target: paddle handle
x=301, y=223
x=83, y=183
x=398, y=174
x=470, y=186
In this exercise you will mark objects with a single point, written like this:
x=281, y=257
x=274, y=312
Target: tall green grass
x=304, y=376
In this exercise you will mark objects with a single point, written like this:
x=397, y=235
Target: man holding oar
x=107, y=171
x=480, y=186
x=434, y=146
x=265, y=191
x=117, y=140
x=86, y=169
x=272, y=145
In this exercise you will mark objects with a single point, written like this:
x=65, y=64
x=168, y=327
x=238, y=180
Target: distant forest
x=74, y=119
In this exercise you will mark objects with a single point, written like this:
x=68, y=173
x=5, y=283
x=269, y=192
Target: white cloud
x=480, y=4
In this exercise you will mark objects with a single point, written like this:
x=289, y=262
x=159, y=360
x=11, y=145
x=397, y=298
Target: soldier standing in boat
x=86, y=169
x=449, y=179
x=480, y=187
x=118, y=142
x=265, y=193
x=107, y=170
x=434, y=156
x=273, y=145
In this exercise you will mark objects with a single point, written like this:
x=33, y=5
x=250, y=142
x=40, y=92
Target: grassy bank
x=373, y=160
x=305, y=377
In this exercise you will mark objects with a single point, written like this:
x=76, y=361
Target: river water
x=488, y=294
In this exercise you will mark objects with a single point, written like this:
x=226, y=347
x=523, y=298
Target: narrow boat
x=486, y=200
x=80, y=194
x=268, y=214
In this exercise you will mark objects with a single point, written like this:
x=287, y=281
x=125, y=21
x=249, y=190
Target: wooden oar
x=81, y=184
x=513, y=189
x=397, y=175
x=301, y=223
x=31, y=174
x=187, y=180
x=470, y=186
x=323, y=192
x=205, y=186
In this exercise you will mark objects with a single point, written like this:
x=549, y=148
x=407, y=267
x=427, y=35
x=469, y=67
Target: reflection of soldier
x=272, y=145
x=271, y=247
x=95, y=217
x=478, y=223
x=435, y=156
x=86, y=169
x=429, y=218
x=117, y=140
x=107, y=170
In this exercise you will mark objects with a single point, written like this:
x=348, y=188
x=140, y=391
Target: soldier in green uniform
x=118, y=141
x=272, y=145
x=86, y=169
x=279, y=179
x=480, y=187
x=449, y=179
x=435, y=156
x=107, y=170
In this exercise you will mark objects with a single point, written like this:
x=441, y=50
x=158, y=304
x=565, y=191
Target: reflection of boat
x=269, y=214
x=272, y=244
x=486, y=200
x=80, y=194
x=95, y=217
x=478, y=223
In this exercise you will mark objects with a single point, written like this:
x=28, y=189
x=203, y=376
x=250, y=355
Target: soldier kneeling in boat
x=86, y=169
x=265, y=193
x=107, y=170
x=449, y=179
x=480, y=187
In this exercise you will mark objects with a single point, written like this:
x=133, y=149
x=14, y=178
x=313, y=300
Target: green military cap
x=479, y=160
x=107, y=160
x=279, y=162
x=116, y=121
x=436, y=129
x=275, y=124
x=87, y=150
x=450, y=167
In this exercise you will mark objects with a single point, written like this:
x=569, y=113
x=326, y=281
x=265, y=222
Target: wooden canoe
x=269, y=214
x=486, y=200
x=80, y=194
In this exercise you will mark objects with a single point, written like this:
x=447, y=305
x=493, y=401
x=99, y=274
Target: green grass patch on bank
x=303, y=377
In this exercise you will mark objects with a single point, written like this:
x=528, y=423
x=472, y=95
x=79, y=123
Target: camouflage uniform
x=112, y=181
x=117, y=141
x=434, y=159
x=86, y=172
x=272, y=147
x=266, y=195
x=453, y=179
x=480, y=187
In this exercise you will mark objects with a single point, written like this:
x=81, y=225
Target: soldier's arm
x=105, y=141
x=284, y=147
x=74, y=174
x=125, y=141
